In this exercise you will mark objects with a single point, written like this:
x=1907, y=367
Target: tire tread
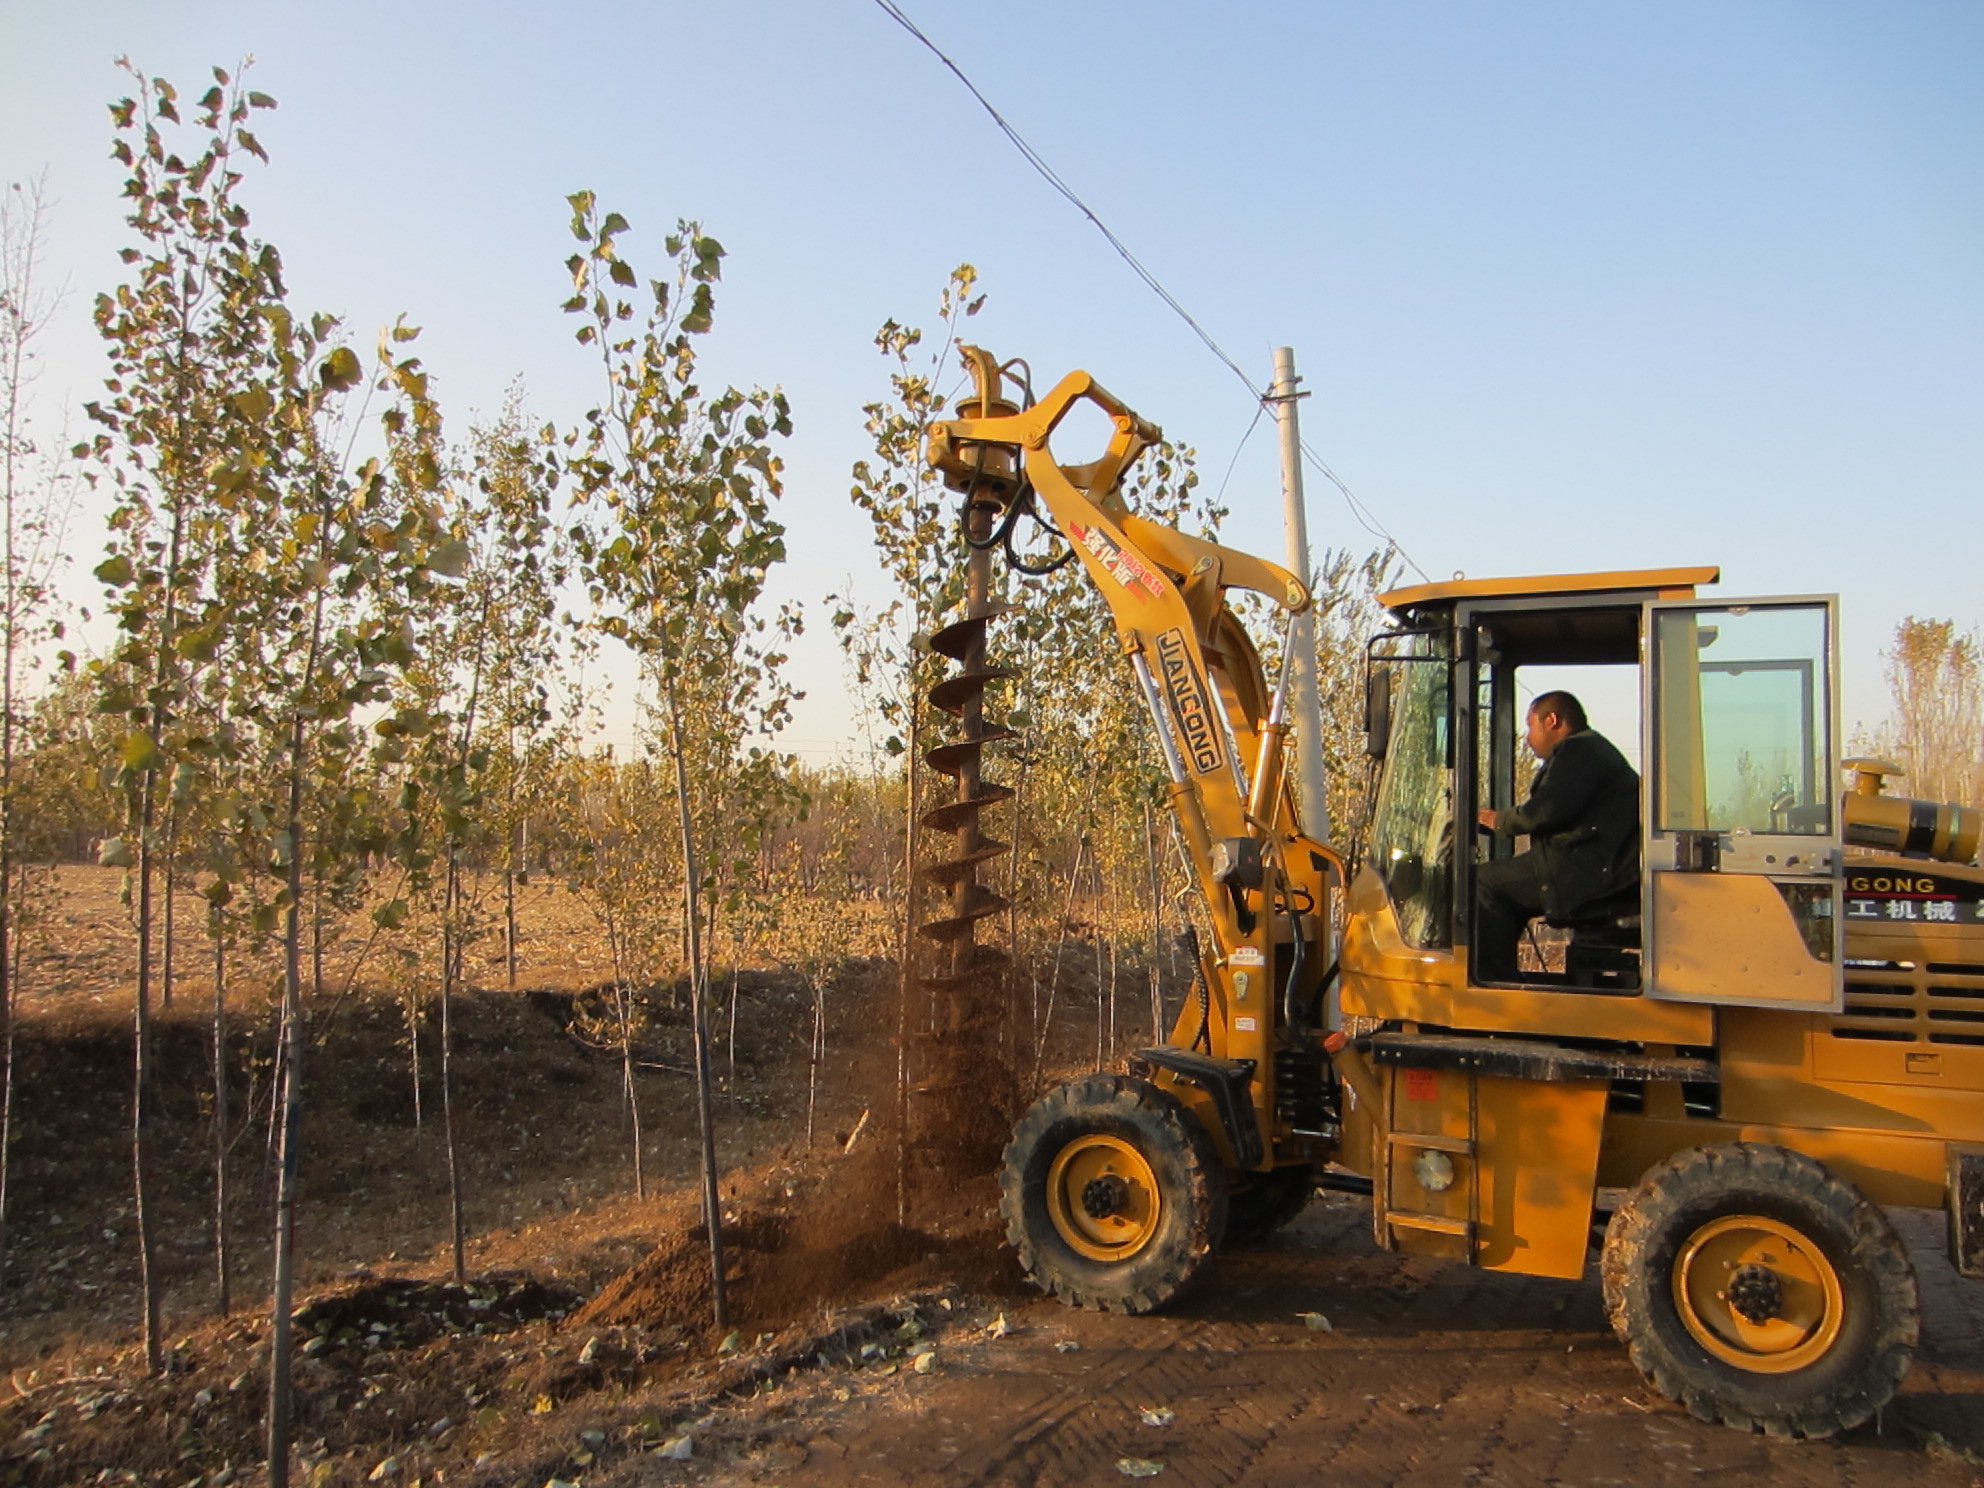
x=1159, y=1272
x=1818, y=1401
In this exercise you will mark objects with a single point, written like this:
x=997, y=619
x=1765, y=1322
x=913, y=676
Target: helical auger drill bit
x=962, y=695
x=961, y=1059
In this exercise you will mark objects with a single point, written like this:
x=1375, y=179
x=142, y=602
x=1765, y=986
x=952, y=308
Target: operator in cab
x=1582, y=819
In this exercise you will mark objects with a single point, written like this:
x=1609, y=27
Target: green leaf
x=115, y=571
x=253, y=404
x=451, y=558
x=701, y=312
x=399, y=647
x=341, y=370
x=115, y=852
x=139, y=751
x=390, y=916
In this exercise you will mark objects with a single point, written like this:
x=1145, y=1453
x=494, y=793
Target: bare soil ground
x=863, y=1349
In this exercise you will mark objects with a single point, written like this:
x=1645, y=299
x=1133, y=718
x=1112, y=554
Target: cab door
x=1742, y=883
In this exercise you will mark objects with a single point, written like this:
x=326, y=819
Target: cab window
x=1412, y=837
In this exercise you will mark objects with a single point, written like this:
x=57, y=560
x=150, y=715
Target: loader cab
x=1727, y=712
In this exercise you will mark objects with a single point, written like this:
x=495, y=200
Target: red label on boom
x=1123, y=567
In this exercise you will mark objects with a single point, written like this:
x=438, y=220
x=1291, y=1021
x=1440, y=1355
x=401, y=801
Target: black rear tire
x=1269, y=1202
x=1757, y=1288
x=1112, y=1194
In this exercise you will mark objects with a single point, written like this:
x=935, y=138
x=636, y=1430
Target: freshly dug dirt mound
x=402, y=1312
x=791, y=1252
x=773, y=1277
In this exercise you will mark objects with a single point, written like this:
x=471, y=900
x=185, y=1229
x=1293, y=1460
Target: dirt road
x=1427, y=1375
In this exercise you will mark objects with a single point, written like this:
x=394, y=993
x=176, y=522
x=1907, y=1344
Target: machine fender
x=1226, y=1081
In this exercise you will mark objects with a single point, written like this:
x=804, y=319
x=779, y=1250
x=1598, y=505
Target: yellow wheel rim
x=1103, y=1198
x=1758, y=1293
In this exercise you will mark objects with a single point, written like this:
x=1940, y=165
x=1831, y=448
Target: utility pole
x=1307, y=706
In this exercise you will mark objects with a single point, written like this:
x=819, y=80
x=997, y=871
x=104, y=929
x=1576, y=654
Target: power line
x=1049, y=175
x=1259, y=409
x=1363, y=515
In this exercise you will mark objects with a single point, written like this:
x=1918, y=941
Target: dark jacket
x=1583, y=821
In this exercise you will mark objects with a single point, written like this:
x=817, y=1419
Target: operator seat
x=1604, y=951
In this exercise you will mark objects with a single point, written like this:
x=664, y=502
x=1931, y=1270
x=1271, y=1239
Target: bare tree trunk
x=290, y=1094
x=907, y=1001
x=142, y=1080
x=413, y=1051
x=450, y=970
x=1010, y=1032
x=1156, y=927
x=1096, y=919
x=7, y=989
x=317, y=935
x=733, y=1034
x=630, y=1092
x=171, y=917
x=288, y=1154
x=692, y=900
x=510, y=909
x=223, y=1281
x=1115, y=903
x=1046, y=1029
x=623, y=1012
x=815, y=1052
x=272, y=1134
x=19, y=254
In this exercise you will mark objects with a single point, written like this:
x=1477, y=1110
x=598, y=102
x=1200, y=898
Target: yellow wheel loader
x=1772, y=1032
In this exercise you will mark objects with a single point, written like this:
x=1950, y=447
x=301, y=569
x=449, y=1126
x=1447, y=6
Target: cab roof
x=1668, y=583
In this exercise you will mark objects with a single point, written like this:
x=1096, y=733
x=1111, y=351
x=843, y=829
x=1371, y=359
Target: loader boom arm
x=1221, y=726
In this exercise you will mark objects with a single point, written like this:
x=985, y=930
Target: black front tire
x=1112, y=1194
x=1755, y=1287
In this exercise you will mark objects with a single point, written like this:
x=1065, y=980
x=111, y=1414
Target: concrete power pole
x=1306, y=704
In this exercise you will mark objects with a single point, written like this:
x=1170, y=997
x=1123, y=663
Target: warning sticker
x=1422, y=1085
x=1247, y=956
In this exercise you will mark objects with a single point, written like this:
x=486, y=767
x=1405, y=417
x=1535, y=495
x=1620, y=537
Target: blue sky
x=1573, y=286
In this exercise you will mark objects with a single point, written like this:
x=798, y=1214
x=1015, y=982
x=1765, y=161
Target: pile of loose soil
x=802, y=1244
x=404, y=1312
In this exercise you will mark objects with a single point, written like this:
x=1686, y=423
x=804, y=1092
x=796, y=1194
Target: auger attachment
x=968, y=970
x=961, y=695
x=961, y=1123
